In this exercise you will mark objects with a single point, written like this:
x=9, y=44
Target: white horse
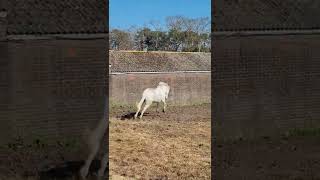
x=149, y=95
x=94, y=141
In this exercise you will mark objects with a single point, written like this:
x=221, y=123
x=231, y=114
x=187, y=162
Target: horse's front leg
x=157, y=106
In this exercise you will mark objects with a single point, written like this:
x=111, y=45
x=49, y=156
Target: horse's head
x=162, y=84
x=165, y=88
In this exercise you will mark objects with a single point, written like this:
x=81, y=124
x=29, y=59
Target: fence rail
x=115, y=73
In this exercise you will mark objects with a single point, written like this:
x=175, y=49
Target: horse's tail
x=138, y=105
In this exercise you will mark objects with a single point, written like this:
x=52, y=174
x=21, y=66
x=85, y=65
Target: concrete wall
x=186, y=88
x=51, y=88
x=265, y=85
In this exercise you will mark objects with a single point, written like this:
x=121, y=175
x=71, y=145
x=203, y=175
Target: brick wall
x=264, y=85
x=186, y=88
x=51, y=88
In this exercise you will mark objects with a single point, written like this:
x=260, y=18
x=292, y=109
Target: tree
x=175, y=22
x=143, y=39
x=202, y=28
x=120, y=40
x=156, y=25
x=182, y=34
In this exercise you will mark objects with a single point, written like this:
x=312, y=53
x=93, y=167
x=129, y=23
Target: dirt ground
x=38, y=162
x=42, y=161
x=171, y=145
x=295, y=157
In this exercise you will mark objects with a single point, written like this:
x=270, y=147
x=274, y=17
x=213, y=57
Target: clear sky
x=125, y=13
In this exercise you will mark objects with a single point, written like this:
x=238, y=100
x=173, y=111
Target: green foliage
x=304, y=132
x=38, y=142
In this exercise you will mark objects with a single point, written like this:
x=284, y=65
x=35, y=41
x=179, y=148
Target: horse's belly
x=157, y=98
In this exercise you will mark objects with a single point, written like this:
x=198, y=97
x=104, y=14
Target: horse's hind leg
x=104, y=163
x=85, y=169
x=139, y=108
x=135, y=116
x=148, y=103
x=164, y=106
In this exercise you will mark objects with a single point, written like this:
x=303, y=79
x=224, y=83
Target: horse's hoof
x=100, y=175
x=83, y=173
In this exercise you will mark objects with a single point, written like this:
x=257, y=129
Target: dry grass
x=160, y=149
x=162, y=146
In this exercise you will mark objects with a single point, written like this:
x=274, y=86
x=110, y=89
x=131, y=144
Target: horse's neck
x=162, y=88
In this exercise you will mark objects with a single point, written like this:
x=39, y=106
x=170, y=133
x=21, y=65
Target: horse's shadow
x=130, y=115
x=69, y=170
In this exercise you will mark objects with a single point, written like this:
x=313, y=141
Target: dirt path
x=171, y=145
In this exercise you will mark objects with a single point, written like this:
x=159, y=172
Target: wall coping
x=265, y=32
x=174, y=72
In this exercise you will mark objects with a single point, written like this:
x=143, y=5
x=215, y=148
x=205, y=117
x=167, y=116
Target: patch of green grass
x=133, y=106
x=69, y=144
x=303, y=132
x=117, y=106
x=200, y=103
x=38, y=142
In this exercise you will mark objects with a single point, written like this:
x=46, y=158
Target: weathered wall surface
x=139, y=61
x=51, y=88
x=238, y=15
x=186, y=88
x=264, y=85
x=56, y=17
x=188, y=75
x=52, y=67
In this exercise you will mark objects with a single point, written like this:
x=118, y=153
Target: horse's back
x=157, y=94
x=148, y=91
x=153, y=94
